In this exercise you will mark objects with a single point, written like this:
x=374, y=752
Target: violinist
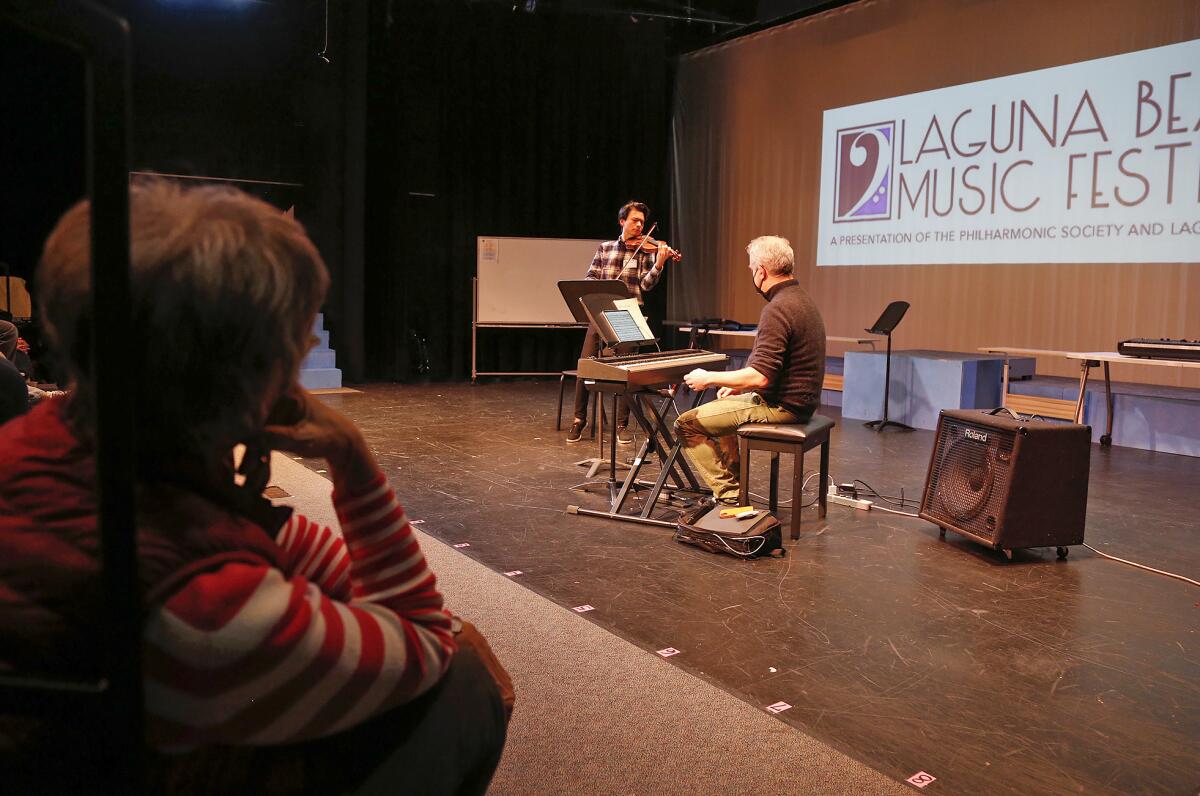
x=637, y=260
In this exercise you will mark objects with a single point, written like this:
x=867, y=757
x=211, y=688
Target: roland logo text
x=978, y=436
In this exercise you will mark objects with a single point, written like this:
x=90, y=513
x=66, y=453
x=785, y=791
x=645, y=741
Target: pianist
x=781, y=382
x=639, y=265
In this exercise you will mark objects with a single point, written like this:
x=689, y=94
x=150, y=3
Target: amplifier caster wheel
x=941, y=532
x=1105, y=439
x=1062, y=552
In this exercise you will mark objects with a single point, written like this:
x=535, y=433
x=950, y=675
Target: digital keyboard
x=652, y=369
x=1160, y=349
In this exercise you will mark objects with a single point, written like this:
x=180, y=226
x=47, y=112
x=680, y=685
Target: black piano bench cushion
x=798, y=433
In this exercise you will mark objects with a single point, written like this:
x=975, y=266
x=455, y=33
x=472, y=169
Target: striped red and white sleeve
x=251, y=654
x=316, y=552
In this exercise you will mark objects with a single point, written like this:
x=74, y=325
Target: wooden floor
x=907, y=652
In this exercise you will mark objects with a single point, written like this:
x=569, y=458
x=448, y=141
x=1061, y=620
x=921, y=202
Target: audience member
x=13, y=395
x=9, y=338
x=14, y=398
x=279, y=654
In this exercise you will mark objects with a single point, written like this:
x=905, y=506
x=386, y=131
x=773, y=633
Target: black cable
x=901, y=501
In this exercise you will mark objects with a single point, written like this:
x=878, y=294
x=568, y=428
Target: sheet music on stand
x=618, y=321
x=635, y=310
x=623, y=325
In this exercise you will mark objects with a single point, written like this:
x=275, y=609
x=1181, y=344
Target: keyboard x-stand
x=640, y=378
x=620, y=325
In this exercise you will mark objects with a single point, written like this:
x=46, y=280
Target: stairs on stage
x=318, y=371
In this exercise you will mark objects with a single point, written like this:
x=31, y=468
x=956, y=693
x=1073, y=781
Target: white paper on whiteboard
x=631, y=304
x=489, y=250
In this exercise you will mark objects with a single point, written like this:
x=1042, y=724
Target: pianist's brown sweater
x=790, y=349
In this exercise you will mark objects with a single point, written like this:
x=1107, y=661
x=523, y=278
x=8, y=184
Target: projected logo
x=863, y=183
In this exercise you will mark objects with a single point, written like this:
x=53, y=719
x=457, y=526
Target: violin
x=649, y=244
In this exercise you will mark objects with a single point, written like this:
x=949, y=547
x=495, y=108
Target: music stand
x=573, y=292
x=888, y=321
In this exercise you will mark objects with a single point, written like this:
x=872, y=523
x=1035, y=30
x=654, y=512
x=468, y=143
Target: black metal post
x=102, y=38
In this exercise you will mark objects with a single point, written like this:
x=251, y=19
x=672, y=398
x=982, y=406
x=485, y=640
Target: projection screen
x=1080, y=235
x=1091, y=162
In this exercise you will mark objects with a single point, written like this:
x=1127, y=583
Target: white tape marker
x=920, y=779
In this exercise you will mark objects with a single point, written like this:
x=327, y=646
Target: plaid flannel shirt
x=614, y=261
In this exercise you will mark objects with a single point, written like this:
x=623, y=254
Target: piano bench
x=793, y=438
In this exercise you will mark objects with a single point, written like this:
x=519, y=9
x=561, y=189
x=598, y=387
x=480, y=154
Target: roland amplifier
x=1008, y=483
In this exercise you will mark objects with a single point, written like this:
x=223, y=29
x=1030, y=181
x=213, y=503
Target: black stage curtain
x=42, y=92
x=483, y=120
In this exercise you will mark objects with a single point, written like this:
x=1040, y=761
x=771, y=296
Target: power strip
x=844, y=500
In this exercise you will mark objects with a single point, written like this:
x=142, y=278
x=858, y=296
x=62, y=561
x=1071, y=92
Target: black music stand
x=573, y=292
x=888, y=321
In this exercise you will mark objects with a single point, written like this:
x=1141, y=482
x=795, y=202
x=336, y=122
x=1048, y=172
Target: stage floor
x=904, y=651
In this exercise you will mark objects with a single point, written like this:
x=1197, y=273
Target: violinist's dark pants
x=591, y=345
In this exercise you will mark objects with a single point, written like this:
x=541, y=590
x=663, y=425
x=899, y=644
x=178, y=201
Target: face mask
x=758, y=285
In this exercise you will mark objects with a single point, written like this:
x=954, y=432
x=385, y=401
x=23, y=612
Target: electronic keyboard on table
x=1160, y=349
x=652, y=369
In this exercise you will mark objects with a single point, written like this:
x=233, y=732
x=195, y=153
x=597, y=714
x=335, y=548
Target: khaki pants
x=709, y=436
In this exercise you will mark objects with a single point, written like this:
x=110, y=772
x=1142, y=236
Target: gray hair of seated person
x=224, y=290
x=773, y=254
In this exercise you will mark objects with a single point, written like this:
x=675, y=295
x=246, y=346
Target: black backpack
x=749, y=537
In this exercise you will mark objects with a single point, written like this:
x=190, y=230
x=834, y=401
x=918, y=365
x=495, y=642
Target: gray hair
x=224, y=288
x=773, y=254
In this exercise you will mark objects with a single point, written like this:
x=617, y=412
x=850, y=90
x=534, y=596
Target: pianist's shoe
x=624, y=435
x=576, y=432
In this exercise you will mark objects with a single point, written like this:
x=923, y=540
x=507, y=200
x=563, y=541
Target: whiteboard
x=518, y=277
